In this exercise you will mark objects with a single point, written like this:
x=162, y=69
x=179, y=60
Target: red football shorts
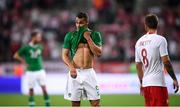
x=156, y=96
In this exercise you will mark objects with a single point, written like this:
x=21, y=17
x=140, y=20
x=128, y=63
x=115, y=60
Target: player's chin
x=38, y=41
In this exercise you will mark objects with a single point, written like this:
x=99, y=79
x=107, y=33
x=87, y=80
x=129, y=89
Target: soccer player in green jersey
x=31, y=56
x=80, y=48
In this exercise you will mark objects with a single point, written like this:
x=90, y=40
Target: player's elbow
x=64, y=57
x=98, y=54
x=138, y=66
x=15, y=55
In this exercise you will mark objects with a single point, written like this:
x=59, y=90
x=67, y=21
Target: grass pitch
x=58, y=100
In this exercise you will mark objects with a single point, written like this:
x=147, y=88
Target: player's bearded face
x=38, y=38
x=80, y=22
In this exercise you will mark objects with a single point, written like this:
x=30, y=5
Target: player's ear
x=87, y=22
x=145, y=26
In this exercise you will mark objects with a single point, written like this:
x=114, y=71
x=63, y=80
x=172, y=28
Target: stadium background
x=119, y=21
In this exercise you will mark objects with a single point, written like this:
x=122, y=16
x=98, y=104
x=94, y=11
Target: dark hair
x=34, y=33
x=82, y=15
x=151, y=21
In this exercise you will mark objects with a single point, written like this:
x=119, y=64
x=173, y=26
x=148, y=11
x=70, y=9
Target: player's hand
x=73, y=72
x=176, y=86
x=24, y=64
x=87, y=35
x=141, y=90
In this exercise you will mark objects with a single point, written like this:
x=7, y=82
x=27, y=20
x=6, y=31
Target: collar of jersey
x=32, y=45
x=151, y=32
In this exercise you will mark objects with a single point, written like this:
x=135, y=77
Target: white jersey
x=149, y=49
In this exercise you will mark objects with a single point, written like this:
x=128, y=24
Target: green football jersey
x=33, y=56
x=72, y=39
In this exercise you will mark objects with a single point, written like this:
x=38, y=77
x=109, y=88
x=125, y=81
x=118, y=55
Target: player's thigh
x=162, y=96
x=31, y=79
x=41, y=78
x=92, y=91
x=73, y=88
x=156, y=96
x=147, y=95
x=91, y=87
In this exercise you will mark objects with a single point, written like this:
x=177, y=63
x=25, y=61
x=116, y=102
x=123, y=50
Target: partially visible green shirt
x=72, y=39
x=33, y=56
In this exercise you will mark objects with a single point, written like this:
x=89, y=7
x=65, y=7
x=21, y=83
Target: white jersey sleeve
x=137, y=57
x=163, y=47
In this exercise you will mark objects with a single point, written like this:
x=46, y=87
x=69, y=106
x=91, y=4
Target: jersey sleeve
x=66, y=43
x=97, y=39
x=163, y=47
x=22, y=50
x=137, y=57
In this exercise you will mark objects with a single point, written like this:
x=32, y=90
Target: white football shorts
x=84, y=86
x=36, y=76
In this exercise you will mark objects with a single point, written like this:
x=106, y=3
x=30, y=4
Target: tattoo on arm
x=169, y=68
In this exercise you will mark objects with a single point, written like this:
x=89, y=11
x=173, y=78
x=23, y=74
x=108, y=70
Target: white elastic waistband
x=82, y=69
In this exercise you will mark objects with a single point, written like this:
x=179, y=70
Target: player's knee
x=43, y=87
x=76, y=103
x=44, y=91
x=95, y=103
x=31, y=91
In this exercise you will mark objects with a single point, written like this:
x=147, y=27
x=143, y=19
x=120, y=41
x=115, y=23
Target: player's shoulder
x=159, y=37
x=96, y=33
x=40, y=45
x=140, y=39
x=24, y=45
x=155, y=37
x=69, y=34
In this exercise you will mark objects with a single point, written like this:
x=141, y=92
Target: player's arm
x=19, y=58
x=66, y=57
x=140, y=75
x=66, y=51
x=167, y=63
x=67, y=61
x=169, y=69
x=95, y=49
x=139, y=66
x=139, y=71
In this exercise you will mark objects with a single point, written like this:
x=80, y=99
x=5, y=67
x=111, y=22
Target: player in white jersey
x=151, y=57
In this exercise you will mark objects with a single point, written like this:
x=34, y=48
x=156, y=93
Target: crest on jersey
x=97, y=90
x=35, y=54
x=69, y=94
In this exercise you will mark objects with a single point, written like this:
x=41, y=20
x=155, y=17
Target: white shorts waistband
x=86, y=70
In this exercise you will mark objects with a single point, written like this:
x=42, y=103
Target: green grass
x=58, y=100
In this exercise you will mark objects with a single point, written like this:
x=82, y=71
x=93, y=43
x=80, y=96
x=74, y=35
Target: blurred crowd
x=119, y=21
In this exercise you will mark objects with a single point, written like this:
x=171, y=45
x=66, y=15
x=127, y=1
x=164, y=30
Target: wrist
x=23, y=62
x=140, y=82
x=174, y=79
x=89, y=40
x=71, y=67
